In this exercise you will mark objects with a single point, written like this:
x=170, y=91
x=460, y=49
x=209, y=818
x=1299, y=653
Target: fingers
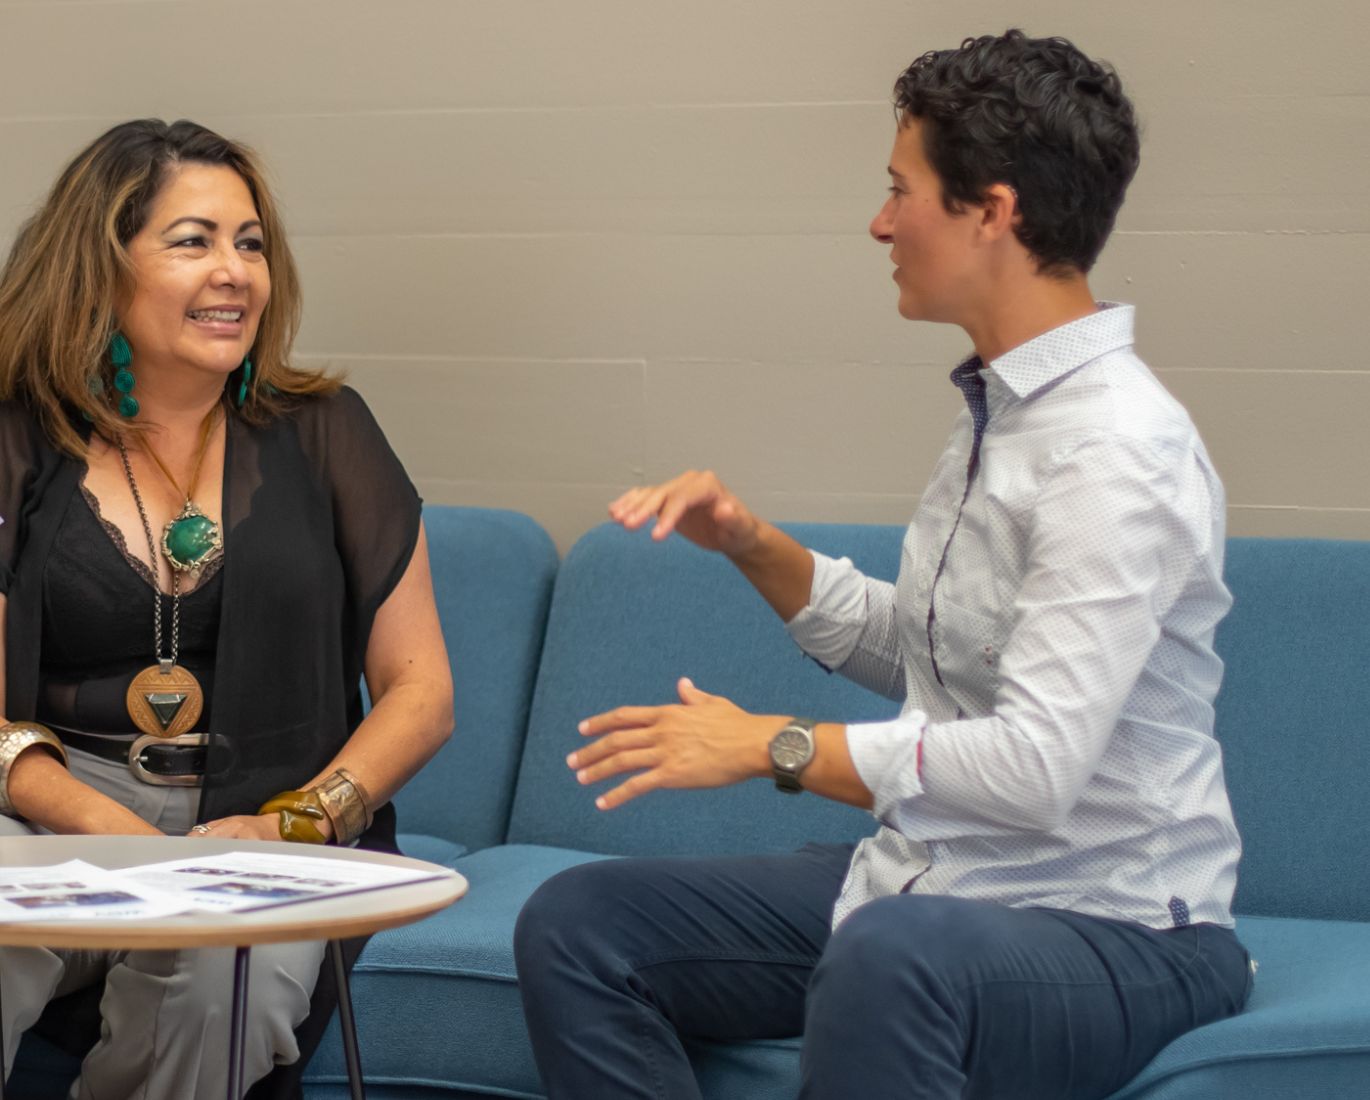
x=613, y=754
x=619, y=718
x=638, y=785
x=695, y=491
x=636, y=506
x=698, y=744
x=238, y=827
x=606, y=746
x=675, y=504
x=628, y=760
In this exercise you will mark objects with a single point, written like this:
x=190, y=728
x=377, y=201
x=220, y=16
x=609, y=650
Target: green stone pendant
x=191, y=540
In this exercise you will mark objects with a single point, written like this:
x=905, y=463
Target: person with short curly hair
x=1035, y=114
x=1046, y=901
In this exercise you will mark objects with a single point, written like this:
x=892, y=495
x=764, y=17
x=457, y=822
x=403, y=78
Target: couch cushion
x=1291, y=717
x=629, y=617
x=492, y=577
x=434, y=849
x=438, y=1007
x=1305, y=1031
x=436, y=1002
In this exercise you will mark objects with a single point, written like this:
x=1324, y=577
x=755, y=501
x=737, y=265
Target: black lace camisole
x=98, y=625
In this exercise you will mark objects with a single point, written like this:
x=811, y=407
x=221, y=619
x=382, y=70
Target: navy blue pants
x=914, y=997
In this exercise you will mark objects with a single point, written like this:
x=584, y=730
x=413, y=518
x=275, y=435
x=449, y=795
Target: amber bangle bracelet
x=299, y=811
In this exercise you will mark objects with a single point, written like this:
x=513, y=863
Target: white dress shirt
x=1051, y=637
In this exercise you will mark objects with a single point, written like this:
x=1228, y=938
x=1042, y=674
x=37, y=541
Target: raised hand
x=697, y=505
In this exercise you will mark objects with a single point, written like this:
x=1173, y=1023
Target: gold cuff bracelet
x=347, y=804
x=15, y=737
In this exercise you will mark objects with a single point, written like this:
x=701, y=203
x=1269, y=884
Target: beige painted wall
x=564, y=246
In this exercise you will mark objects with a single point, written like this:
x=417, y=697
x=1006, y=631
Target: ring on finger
x=201, y=830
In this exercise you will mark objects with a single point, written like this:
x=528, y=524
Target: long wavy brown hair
x=70, y=261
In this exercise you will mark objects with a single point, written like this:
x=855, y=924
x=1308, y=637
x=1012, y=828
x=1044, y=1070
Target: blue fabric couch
x=536, y=646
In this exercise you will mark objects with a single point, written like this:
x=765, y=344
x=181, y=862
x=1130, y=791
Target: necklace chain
x=152, y=554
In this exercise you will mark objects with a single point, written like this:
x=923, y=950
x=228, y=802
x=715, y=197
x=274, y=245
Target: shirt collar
x=1025, y=369
x=1043, y=359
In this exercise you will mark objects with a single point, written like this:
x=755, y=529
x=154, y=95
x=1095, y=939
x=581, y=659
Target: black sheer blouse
x=320, y=522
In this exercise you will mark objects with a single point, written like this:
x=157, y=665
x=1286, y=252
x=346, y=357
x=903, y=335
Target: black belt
x=160, y=761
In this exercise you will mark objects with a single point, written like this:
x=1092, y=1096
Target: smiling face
x=200, y=280
x=934, y=252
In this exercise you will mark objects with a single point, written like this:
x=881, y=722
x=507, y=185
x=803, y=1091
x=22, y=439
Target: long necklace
x=191, y=539
x=166, y=699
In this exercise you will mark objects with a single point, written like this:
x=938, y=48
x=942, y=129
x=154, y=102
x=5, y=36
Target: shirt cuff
x=828, y=628
x=888, y=756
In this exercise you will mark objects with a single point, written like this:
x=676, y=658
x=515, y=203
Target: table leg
x=349, y=1025
x=237, y=1032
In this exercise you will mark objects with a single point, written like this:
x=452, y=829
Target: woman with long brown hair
x=203, y=550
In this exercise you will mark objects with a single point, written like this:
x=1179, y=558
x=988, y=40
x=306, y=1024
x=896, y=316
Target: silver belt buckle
x=135, y=763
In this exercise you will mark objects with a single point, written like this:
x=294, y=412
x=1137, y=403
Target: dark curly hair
x=1038, y=115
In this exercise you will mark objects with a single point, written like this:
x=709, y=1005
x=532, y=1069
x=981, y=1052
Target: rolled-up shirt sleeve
x=848, y=626
x=887, y=757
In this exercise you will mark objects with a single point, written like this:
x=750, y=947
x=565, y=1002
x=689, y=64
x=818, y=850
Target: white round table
x=333, y=919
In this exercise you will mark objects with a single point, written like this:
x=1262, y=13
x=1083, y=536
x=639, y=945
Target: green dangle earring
x=247, y=380
x=121, y=355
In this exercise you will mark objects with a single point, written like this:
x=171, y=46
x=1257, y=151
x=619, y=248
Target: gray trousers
x=165, y=1014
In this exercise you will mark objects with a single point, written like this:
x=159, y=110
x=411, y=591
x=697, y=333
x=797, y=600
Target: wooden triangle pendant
x=165, y=700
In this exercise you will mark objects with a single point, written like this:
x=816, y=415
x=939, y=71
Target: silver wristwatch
x=791, y=752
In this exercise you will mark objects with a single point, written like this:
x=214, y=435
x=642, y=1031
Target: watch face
x=789, y=749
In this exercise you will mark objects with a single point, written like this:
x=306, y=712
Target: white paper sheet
x=228, y=882
x=239, y=881
x=77, y=890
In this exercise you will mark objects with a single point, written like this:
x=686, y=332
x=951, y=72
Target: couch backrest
x=1294, y=722
x=630, y=616
x=492, y=576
